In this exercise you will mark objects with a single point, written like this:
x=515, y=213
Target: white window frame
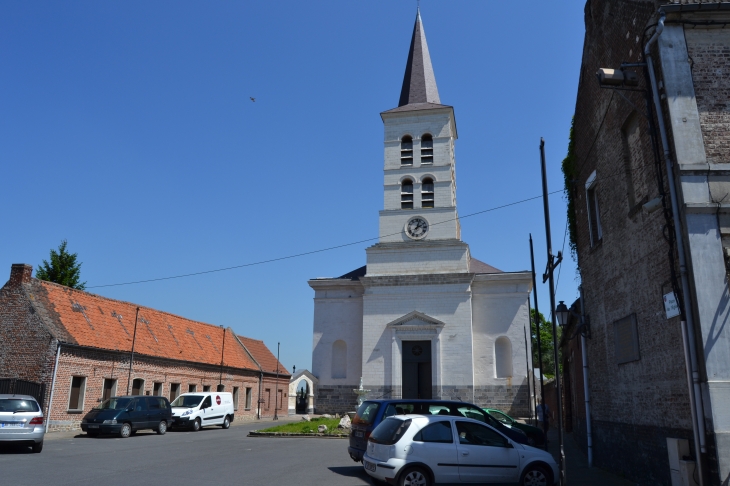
x=591, y=186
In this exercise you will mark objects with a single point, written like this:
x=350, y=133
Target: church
x=422, y=318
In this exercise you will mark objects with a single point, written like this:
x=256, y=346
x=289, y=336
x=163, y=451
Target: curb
x=288, y=435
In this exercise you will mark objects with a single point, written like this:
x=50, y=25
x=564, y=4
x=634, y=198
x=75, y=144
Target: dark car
x=124, y=416
x=535, y=436
x=372, y=412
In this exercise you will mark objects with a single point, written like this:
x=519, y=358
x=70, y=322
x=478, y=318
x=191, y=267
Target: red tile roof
x=262, y=354
x=94, y=321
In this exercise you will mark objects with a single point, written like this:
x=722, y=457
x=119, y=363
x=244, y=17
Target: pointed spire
x=419, y=82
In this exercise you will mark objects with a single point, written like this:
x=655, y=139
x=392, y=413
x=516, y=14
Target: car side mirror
x=509, y=445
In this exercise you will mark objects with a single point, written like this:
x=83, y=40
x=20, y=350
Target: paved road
x=211, y=456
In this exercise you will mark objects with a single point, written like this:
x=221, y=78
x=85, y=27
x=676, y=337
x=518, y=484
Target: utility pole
x=131, y=356
x=537, y=328
x=276, y=395
x=527, y=366
x=220, y=380
x=552, y=264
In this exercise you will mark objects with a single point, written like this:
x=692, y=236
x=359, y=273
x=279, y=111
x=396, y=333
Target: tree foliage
x=570, y=173
x=546, y=344
x=63, y=268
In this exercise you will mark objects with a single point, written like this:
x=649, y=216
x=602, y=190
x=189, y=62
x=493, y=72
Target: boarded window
x=248, y=398
x=268, y=398
x=157, y=389
x=503, y=357
x=427, y=193
x=138, y=386
x=110, y=388
x=339, y=359
x=633, y=160
x=235, y=398
x=406, y=150
x=174, y=391
x=192, y=388
x=220, y=388
x=427, y=149
x=206, y=388
x=626, y=339
x=76, y=399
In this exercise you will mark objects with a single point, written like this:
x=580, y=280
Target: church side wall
x=500, y=311
x=338, y=312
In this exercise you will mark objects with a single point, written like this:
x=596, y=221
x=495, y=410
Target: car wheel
x=162, y=428
x=226, y=422
x=125, y=431
x=196, y=425
x=37, y=447
x=414, y=477
x=534, y=476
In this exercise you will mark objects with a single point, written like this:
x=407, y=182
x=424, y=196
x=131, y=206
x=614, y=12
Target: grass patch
x=305, y=427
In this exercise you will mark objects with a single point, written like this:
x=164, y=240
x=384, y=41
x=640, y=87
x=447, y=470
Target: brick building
x=79, y=346
x=641, y=385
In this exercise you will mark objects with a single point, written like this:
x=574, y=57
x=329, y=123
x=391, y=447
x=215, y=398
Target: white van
x=196, y=410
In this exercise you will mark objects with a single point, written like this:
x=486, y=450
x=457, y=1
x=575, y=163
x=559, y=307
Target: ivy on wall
x=569, y=174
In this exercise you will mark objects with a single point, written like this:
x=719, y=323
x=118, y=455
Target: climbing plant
x=569, y=175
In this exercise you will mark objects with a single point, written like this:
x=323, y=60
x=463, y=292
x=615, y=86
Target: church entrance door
x=416, y=379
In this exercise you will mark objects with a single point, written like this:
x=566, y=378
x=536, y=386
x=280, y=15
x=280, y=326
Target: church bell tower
x=419, y=222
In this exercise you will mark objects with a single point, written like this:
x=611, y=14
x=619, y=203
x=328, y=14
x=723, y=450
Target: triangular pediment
x=416, y=318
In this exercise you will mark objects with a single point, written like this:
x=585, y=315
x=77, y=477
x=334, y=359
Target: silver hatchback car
x=21, y=421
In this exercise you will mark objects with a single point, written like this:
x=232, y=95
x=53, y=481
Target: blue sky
x=127, y=128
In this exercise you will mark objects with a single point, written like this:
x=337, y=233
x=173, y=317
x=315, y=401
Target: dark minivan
x=372, y=412
x=124, y=416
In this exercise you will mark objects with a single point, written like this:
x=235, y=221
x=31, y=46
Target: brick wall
x=628, y=270
x=27, y=349
x=96, y=365
x=709, y=52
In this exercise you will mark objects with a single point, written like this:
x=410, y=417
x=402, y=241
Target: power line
x=297, y=255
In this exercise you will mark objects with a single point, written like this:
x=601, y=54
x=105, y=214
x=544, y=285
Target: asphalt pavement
x=211, y=456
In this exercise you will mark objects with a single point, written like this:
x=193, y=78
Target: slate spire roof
x=419, y=82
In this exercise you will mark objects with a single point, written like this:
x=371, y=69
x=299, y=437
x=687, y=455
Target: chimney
x=20, y=273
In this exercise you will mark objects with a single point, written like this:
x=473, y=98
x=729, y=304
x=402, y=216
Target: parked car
x=427, y=449
x=124, y=416
x=535, y=435
x=372, y=412
x=21, y=421
x=196, y=410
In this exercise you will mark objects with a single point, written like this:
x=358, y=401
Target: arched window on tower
x=427, y=149
x=339, y=359
x=427, y=193
x=406, y=194
x=406, y=150
x=503, y=357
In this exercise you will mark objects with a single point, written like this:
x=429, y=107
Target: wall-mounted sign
x=670, y=305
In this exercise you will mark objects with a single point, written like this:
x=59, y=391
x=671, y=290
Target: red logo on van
x=218, y=399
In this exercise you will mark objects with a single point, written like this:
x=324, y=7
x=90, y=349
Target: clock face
x=416, y=228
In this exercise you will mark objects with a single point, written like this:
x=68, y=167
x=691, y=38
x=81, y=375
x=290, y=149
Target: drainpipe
x=53, y=387
x=586, y=390
x=131, y=356
x=687, y=322
x=258, y=409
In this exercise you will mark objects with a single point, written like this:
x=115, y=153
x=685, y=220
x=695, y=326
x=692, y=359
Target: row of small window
x=406, y=193
x=109, y=389
x=406, y=149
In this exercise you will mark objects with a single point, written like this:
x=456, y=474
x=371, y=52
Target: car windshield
x=187, y=401
x=366, y=413
x=390, y=431
x=116, y=403
x=15, y=405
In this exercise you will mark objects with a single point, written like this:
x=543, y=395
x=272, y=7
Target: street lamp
x=563, y=313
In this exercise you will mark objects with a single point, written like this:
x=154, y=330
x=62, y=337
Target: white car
x=196, y=410
x=420, y=450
